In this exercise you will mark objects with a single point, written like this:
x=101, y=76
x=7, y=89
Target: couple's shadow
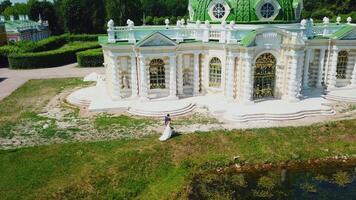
x=175, y=133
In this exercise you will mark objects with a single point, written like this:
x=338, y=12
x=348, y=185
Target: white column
x=293, y=90
x=332, y=72
x=143, y=80
x=248, y=82
x=321, y=68
x=134, y=86
x=353, y=78
x=196, y=81
x=300, y=65
x=230, y=63
x=180, y=74
x=115, y=78
x=306, y=69
x=173, y=77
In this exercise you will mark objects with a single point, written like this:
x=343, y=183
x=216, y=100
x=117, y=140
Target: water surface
x=336, y=183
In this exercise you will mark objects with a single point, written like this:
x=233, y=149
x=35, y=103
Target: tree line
x=90, y=16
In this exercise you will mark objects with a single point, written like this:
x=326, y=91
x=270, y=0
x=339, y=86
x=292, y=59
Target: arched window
x=215, y=73
x=264, y=76
x=157, y=74
x=342, y=65
x=267, y=10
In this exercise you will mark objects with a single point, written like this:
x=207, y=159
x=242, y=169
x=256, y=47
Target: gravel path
x=10, y=80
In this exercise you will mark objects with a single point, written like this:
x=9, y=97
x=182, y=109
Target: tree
x=5, y=4
x=47, y=12
x=83, y=16
x=17, y=9
x=122, y=10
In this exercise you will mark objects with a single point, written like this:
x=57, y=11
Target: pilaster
x=306, y=69
x=116, y=83
x=293, y=90
x=332, y=72
x=230, y=77
x=172, y=77
x=248, y=82
x=134, y=86
x=180, y=74
x=196, y=75
x=353, y=78
x=143, y=80
x=321, y=68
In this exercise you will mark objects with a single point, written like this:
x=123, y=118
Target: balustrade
x=223, y=34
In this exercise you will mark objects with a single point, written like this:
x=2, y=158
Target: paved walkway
x=10, y=80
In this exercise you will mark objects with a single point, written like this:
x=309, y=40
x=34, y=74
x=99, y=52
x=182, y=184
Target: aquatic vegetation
x=308, y=187
x=342, y=178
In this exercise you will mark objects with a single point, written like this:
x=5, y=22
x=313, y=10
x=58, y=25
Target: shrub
x=90, y=58
x=53, y=58
x=46, y=48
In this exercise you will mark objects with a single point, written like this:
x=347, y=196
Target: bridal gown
x=167, y=133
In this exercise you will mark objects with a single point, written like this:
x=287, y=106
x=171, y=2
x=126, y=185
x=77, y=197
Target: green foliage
x=17, y=9
x=52, y=50
x=90, y=58
x=4, y=4
x=122, y=10
x=83, y=16
x=48, y=13
x=317, y=9
x=52, y=58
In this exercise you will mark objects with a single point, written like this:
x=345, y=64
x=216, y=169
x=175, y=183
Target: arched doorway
x=215, y=72
x=264, y=76
x=157, y=74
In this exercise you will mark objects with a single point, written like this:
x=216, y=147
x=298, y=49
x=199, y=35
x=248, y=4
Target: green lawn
x=145, y=168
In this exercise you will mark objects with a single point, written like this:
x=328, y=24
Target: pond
x=327, y=182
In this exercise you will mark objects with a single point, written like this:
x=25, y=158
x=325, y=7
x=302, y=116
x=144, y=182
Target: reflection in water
x=319, y=183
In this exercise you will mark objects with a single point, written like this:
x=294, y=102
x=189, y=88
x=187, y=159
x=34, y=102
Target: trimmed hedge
x=90, y=58
x=53, y=58
x=17, y=54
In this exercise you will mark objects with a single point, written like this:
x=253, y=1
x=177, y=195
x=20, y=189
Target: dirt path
x=10, y=80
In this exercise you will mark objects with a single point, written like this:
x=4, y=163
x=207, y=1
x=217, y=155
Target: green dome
x=245, y=11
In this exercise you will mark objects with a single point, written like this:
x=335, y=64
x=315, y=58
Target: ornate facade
x=248, y=56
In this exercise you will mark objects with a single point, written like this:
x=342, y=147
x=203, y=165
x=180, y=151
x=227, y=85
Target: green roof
x=248, y=39
x=13, y=26
x=245, y=10
x=103, y=40
x=342, y=32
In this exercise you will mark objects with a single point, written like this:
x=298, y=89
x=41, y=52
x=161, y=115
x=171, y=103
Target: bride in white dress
x=167, y=132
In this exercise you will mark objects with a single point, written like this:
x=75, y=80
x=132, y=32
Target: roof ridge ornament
x=349, y=20
x=338, y=20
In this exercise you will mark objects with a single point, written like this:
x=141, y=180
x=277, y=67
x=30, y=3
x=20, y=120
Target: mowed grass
x=144, y=168
x=149, y=169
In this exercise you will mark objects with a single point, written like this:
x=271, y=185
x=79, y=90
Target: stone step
x=279, y=117
x=339, y=98
x=78, y=102
x=152, y=113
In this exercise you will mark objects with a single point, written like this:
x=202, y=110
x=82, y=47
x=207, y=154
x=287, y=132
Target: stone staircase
x=278, y=117
x=340, y=98
x=161, y=113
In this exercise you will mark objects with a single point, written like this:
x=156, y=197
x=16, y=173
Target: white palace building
x=246, y=51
